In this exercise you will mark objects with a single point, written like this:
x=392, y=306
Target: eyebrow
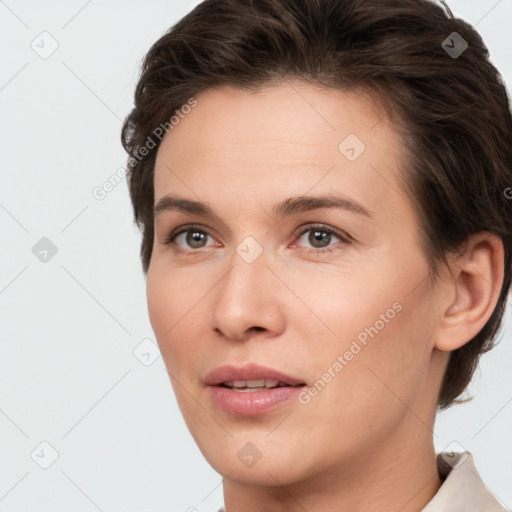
x=290, y=206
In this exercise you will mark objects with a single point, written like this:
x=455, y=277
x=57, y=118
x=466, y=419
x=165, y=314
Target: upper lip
x=228, y=373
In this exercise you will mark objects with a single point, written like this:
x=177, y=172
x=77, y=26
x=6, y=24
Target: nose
x=247, y=301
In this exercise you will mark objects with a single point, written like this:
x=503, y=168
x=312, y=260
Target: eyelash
x=170, y=240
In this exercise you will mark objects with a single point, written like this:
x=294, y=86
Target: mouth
x=255, y=385
x=251, y=390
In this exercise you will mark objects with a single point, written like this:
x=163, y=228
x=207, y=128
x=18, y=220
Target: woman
x=321, y=187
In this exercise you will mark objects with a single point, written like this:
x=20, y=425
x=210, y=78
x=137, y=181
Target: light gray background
x=70, y=326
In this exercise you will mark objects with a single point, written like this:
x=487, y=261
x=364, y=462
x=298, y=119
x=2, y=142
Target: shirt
x=462, y=489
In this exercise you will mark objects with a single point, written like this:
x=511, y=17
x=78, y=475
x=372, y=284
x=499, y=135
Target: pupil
x=319, y=236
x=194, y=238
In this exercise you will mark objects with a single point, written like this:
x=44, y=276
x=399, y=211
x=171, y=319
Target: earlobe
x=474, y=288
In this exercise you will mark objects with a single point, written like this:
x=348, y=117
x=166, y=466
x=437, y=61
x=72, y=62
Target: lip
x=226, y=373
x=251, y=402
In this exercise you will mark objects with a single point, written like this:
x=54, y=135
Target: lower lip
x=252, y=402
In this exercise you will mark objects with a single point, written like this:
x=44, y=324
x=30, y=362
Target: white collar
x=462, y=490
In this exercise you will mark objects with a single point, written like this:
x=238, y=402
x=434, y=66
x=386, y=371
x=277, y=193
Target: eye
x=189, y=238
x=320, y=237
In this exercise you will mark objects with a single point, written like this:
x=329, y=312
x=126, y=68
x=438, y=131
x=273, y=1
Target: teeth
x=254, y=384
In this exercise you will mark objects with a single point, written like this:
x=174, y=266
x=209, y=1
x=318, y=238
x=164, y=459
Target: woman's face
x=333, y=297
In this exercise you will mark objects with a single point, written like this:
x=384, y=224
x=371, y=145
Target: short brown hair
x=453, y=110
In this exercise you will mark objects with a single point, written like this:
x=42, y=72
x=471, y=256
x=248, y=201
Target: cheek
x=378, y=346
x=171, y=294
x=167, y=301
x=383, y=374
x=177, y=301
x=159, y=300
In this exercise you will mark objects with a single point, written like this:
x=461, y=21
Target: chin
x=268, y=474
x=249, y=458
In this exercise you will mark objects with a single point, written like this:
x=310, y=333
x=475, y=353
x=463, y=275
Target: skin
x=365, y=442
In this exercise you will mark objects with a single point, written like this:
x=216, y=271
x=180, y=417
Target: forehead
x=289, y=113
x=286, y=139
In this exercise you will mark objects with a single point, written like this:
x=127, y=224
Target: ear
x=471, y=291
